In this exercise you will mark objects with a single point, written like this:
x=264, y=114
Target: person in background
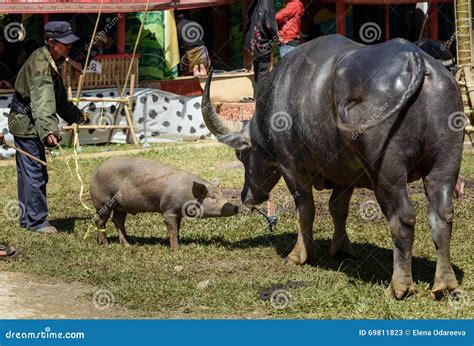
x=262, y=33
x=289, y=25
x=39, y=96
x=8, y=68
x=194, y=55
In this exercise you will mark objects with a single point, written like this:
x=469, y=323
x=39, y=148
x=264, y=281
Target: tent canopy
x=108, y=6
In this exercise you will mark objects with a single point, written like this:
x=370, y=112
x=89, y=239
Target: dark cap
x=60, y=31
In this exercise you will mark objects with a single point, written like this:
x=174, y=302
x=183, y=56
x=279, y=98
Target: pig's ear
x=215, y=182
x=199, y=191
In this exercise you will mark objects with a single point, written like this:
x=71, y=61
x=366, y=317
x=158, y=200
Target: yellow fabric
x=171, y=40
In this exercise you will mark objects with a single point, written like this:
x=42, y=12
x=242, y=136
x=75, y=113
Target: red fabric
x=289, y=20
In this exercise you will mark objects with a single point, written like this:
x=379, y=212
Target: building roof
x=108, y=6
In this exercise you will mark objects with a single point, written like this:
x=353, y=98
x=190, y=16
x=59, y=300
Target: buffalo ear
x=199, y=191
x=238, y=140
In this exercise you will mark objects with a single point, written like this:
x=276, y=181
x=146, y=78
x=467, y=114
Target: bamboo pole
x=96, y=127
x=464, y=54
x=463, y=30
x=99, y=99
x=130, y=123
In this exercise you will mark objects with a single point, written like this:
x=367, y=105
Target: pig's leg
x=100, y=219
x=119, y=222
x=173, y=222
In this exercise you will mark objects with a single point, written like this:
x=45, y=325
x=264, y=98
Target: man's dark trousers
x=32, y=180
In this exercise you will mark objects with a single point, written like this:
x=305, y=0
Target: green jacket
x=39, y=96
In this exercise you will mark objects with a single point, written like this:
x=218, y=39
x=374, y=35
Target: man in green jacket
x=39, y=97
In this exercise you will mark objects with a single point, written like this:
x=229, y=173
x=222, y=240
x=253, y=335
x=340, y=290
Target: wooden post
x=121, y=34
x=340, y=18
x=433, y=20
x=387, y=22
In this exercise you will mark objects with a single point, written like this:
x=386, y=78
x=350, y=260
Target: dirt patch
x=24, y=296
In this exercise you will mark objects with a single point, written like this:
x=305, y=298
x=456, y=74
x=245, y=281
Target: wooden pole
x=96, y=127
x=27, y=154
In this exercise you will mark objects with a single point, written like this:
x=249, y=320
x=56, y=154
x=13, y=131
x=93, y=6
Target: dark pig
x=134, y=185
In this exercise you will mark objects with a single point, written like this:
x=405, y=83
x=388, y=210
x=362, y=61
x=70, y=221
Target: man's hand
x=2, y=139
x=53, y=139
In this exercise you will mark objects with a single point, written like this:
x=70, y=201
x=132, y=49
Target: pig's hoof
x=124, y=242
x=103, y=241
x=399, y=292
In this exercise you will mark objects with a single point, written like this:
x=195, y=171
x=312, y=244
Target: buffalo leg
x=119, y=222
x=396, y=206
x=100, y=219
x=173, y=223
x=304, y=201
x=440, y=212
x=339, y=208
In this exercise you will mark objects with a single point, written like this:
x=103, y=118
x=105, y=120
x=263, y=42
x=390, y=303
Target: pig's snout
x=229, y=209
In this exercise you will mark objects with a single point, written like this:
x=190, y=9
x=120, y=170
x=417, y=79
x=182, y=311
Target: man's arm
x=285, y=13
x=68, y=110
x=43, y=105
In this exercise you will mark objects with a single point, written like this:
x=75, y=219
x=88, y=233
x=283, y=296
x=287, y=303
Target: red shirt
x=289, y=20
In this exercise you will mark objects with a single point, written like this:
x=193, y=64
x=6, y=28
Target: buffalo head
x=261, y=169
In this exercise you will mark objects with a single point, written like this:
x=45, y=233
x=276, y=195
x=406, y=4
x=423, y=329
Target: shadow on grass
x=373, y=265
x=68, y=224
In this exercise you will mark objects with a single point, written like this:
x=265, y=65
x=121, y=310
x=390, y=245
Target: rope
x=135, y=48
x=76, y=159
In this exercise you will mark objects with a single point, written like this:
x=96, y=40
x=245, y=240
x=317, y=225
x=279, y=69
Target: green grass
x=237, y=255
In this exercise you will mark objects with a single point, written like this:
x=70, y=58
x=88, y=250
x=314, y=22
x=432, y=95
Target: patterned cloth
x=155, y=45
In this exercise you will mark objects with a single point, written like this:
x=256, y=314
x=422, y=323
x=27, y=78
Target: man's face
x=60, y=49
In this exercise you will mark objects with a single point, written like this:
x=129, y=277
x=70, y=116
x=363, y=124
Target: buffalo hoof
x=343, y=253
x=341, y=249
x=296, y=258
x=443, y=283
x=456, y=294
x=399, y=292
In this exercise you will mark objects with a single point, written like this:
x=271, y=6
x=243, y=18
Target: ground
x=223, y=264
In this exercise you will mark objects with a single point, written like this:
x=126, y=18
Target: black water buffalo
x=338, y=115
